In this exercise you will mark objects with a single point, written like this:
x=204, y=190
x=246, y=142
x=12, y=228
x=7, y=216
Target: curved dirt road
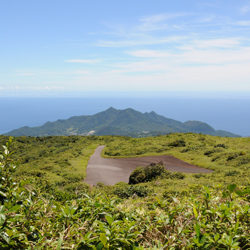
x=110, y=171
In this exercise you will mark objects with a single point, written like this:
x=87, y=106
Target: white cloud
x=157, y=22
x=192, y=56
x=204, y=78
x=143, y=40
x=82, y=72
x=219, y=43
x=149, y=53
x=244, y=23
x=153, y=23
x=82, y=61
x=25, y=74
x=245, y=9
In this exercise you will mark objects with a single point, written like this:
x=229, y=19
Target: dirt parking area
x=110, y=171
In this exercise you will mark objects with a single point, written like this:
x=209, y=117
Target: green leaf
x=109, y=219
x=2, y=209
x=197, y=230
x=103, y=239
x=216, y=237
x=203, y=239
x=231, y=187
x=60, y=241
x=236, y=226
x=195, y=212
x=5, y=237
x=3, y=194
x=240, y=193
x=99, y=246
x=97, y=204
x=2, y=219
x=14, y=209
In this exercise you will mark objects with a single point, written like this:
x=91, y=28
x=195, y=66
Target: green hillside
x=126, y=122
x=45, y=204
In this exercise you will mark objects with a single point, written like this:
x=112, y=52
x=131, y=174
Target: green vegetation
x=41, y=208
x=149, y=173
x=62, y=160
x=126, y=122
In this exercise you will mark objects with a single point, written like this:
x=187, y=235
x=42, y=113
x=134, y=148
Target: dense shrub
x=177, y=175
x=152, y=171
x=243, y=160
x=131, y=191
x=189, y=149
x=232, y=173
x=77, y=188
x=220, y=145
x=137, y=176
x=100, y=185
x=232, y=156
x=199, y=175
x=148, y=173
x=36, y=173
x=209, y=152
x=178, y=143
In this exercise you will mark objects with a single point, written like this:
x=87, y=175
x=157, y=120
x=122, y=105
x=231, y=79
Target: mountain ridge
x=118, y=122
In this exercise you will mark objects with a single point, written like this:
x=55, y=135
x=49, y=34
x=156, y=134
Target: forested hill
x=127, y=122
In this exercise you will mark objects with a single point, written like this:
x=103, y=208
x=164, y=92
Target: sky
x=77, y=47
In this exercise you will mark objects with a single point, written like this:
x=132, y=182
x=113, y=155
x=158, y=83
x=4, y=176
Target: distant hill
x=127, y=122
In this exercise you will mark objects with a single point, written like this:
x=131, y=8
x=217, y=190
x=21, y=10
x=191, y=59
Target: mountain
x=119, y=122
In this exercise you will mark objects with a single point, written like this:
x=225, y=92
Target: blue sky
x=70, y=48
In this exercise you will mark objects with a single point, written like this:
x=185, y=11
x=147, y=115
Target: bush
x=220, y=145
x=100, y=185
x=209, y=152
x=178, y=143
x=78, y=188
x=199, y=175
x=131, y=191
x=177, y=175
x=36, y=173
x=152, y=171
x=148, y=173
x=137, y=176
x=243, y=160
x=232, y=156
x=232, y=173
x=121, y=183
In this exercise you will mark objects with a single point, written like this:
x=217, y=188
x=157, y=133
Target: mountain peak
x=110, y=109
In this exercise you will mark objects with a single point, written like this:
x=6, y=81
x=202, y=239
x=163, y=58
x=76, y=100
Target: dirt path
x=110, y=171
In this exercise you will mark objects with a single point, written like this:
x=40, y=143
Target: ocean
x=232, y=115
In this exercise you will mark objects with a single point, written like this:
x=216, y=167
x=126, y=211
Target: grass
x=63, y=160
x=200, y=211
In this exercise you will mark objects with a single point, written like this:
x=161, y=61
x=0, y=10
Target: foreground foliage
x=33, y=215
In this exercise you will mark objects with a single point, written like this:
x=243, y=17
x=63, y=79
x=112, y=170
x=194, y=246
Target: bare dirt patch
x=110, y=171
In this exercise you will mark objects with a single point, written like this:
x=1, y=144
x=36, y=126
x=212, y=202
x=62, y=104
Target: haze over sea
x=230, y=114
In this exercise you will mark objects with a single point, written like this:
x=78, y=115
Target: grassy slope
x=197, y=218
x=63, y=160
